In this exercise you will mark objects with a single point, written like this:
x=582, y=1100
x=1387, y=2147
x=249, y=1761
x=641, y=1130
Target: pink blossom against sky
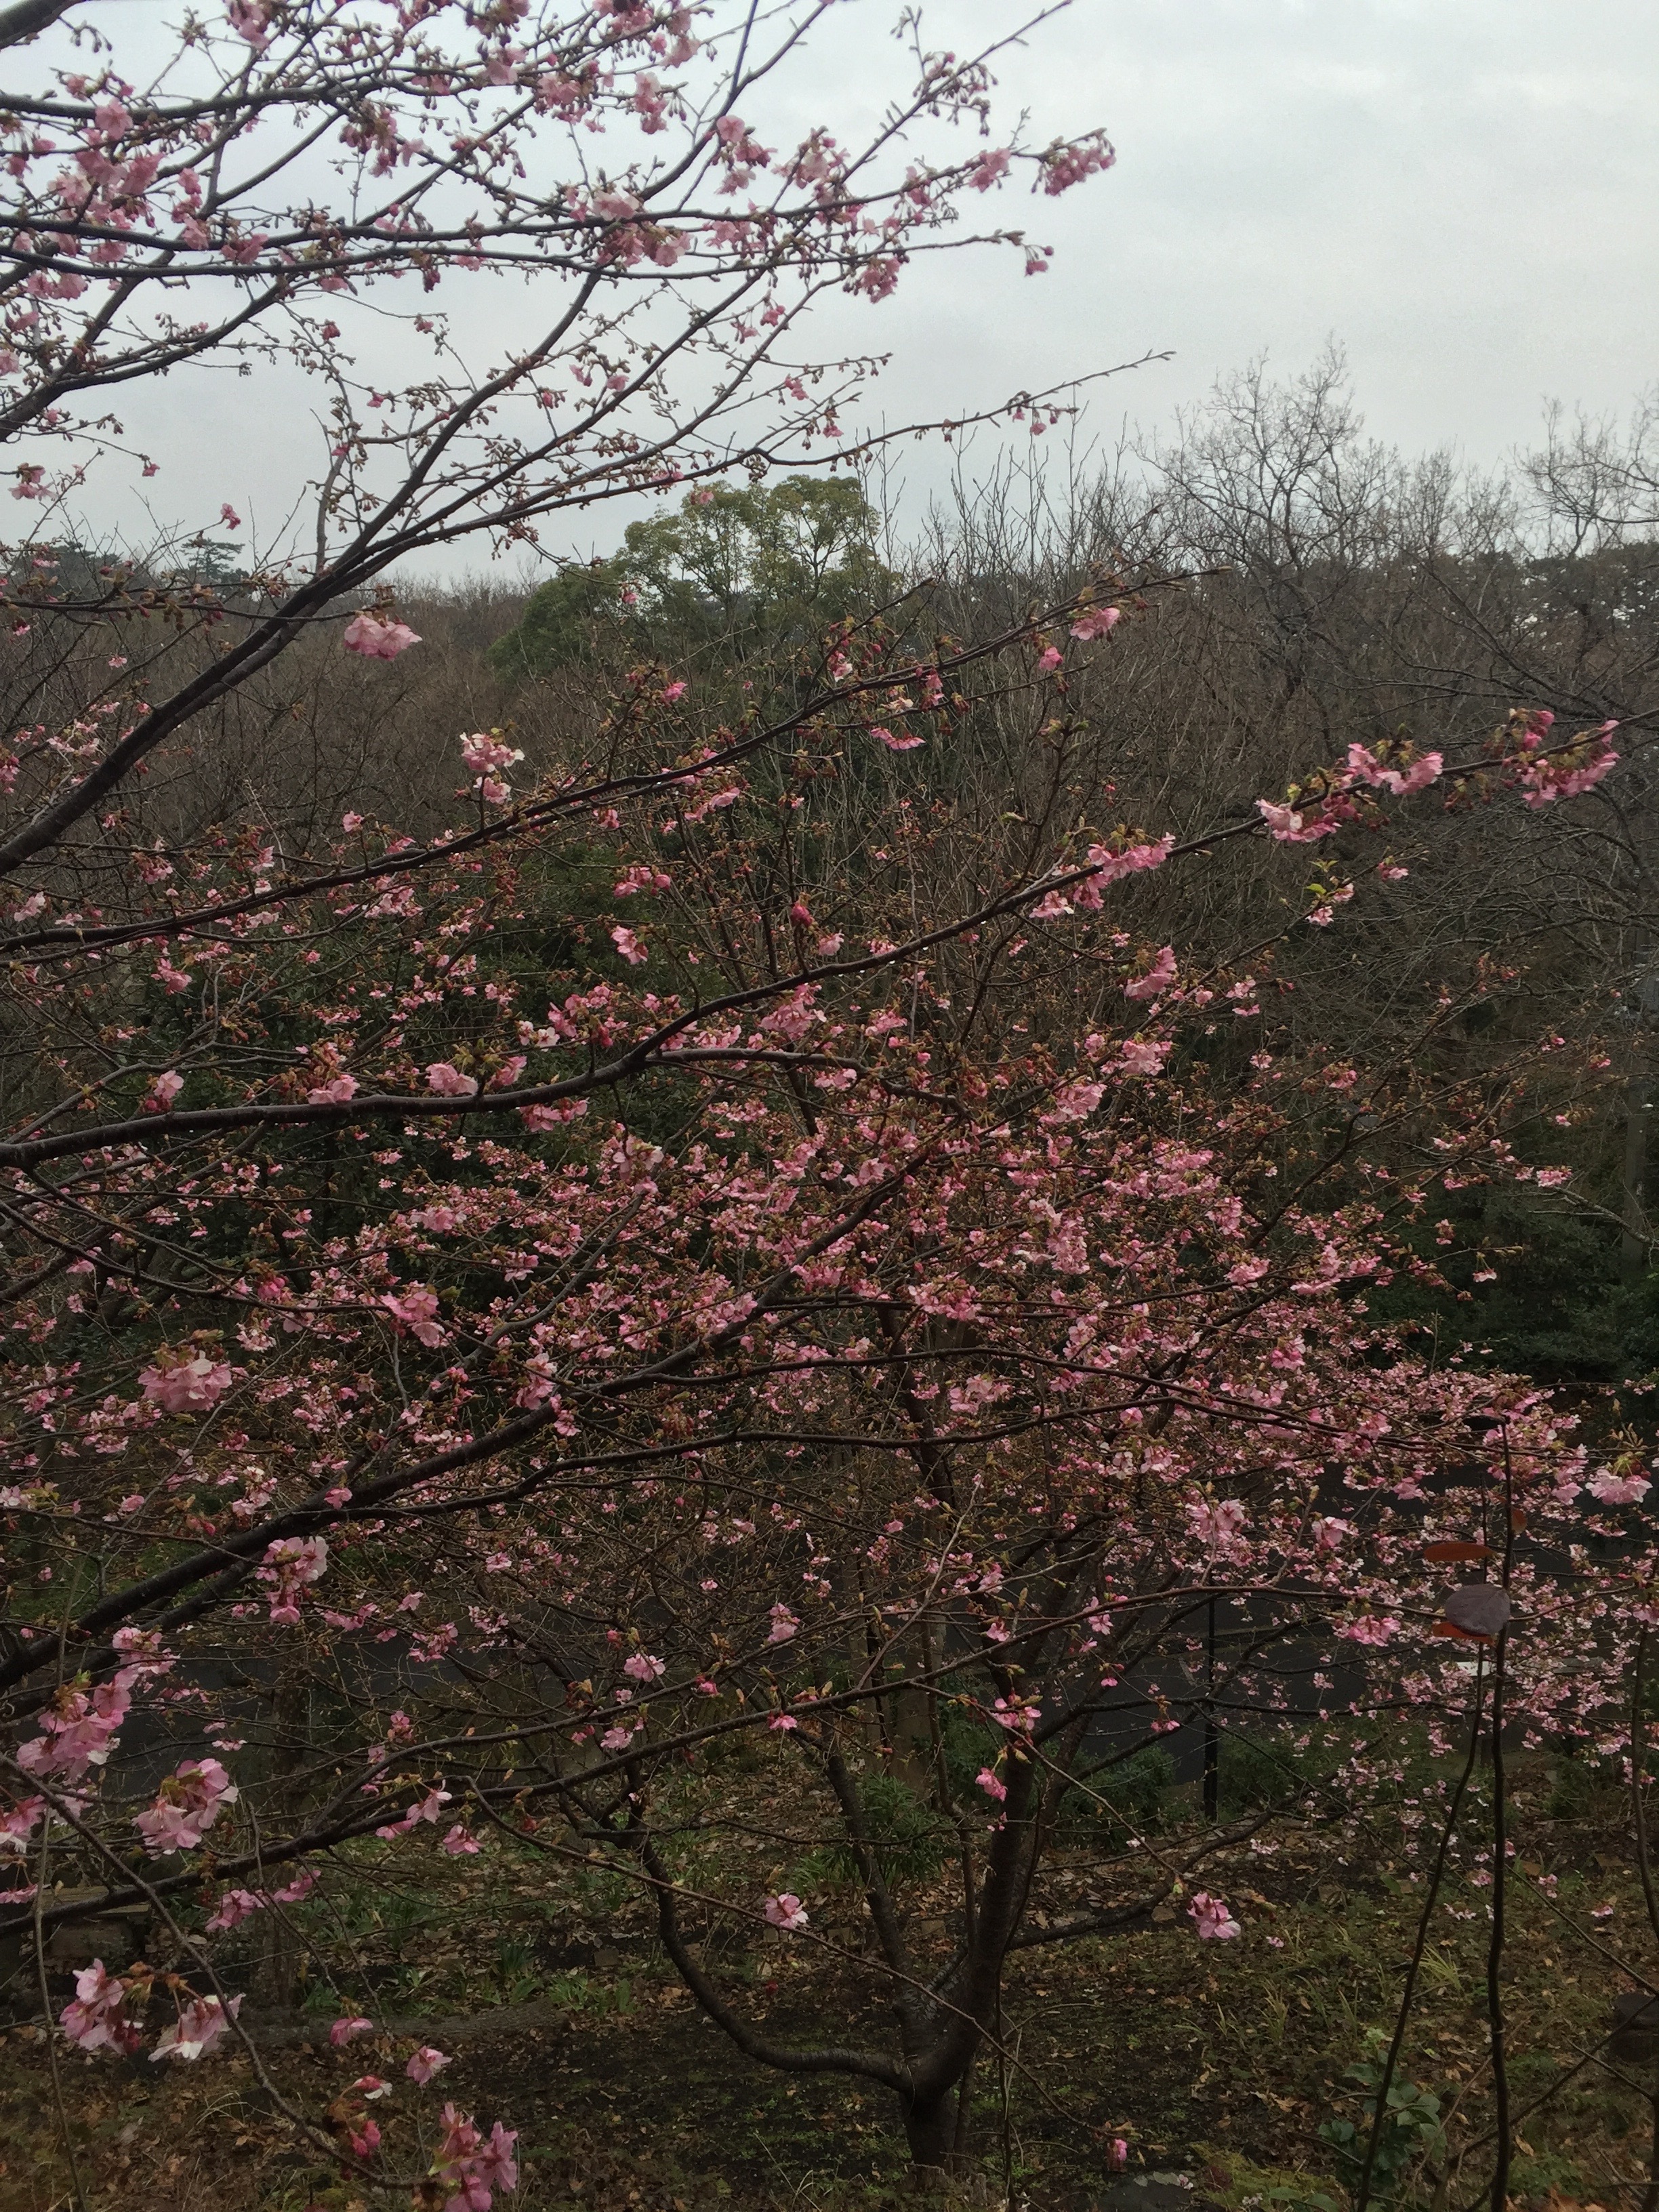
x=1459, y=196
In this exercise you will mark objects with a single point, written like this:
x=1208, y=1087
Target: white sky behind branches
x=1462, y=192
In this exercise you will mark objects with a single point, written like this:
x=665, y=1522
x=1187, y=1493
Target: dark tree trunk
x=930, y=2129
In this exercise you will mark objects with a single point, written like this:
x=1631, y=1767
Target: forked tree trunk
x=930, y=2130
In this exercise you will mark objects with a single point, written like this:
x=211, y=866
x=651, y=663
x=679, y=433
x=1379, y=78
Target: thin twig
x=1362, y=2195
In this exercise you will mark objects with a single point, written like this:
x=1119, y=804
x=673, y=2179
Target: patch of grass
x=1223, y=2060
x=909, y=1839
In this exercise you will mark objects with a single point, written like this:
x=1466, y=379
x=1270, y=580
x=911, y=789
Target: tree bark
x=930, y=2130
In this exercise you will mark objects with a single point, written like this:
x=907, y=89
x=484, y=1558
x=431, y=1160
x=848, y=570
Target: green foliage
x=577, y=1991
x=749, y=569
x=516, y=1975
x=1296, y=2197
x=1560, y=1306
x=558, y=625
x=1132, y=1798
x=1572, y=1790
x=1252, y=1772
x=968, y=1745
x=1260, y=1770
x=1411, y=2135
x=908, y=1838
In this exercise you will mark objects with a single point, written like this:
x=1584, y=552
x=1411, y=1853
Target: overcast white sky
x=1462, y=192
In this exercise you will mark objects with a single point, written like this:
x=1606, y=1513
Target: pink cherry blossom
x=1054, y=906
x=471, y=2164
x=785, y=1912
x=484, y=753
x=459, y=1843
x=426, y=1809
x=1577, y=769
x=425, y=2064
x=235, y=1906
x=1218, y=1527
x=1110, y=867
x=291, y=1564
x=416, y=1310
x=630, y=946
x=1098, y=621
x=1379, y=1629
x=248, y=19
x=642, y=1667
x=1157, y=978
x=291, y=1892
x=1211, y=1917
x=449, y=1082
x=784, y=1624
x=189, y=1802
x=640, y=877
x=1018, y=1719
x=904, y=742
x=1144, y=1055
x=989, y=1783
x=348, y=2029
x=1288, y=826
x=197, y=2028
x=78, y=1729
x=95, y=2020
x=1618, y=1490
x=181, y=1382
x=17, y=1824
x=163, y=1090
x=377, y=639
x=1364, y=764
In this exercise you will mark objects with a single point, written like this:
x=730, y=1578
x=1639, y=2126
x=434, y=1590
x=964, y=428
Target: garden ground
x=1229, y=2063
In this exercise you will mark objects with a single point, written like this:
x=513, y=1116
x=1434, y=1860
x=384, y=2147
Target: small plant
x=1259, y=1769
x=1572, y=1786
x=516, y=1969
x=576, y=1990
x=1130, y=1799
x=1292, y=2196
x=1411, y=2135
x=909, y=1839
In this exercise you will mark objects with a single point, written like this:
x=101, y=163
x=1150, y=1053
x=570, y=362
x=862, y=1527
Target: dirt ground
x=1225, y=2062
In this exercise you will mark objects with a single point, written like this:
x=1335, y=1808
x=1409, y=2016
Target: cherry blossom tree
x=998, y=1360
x=643, y=1286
